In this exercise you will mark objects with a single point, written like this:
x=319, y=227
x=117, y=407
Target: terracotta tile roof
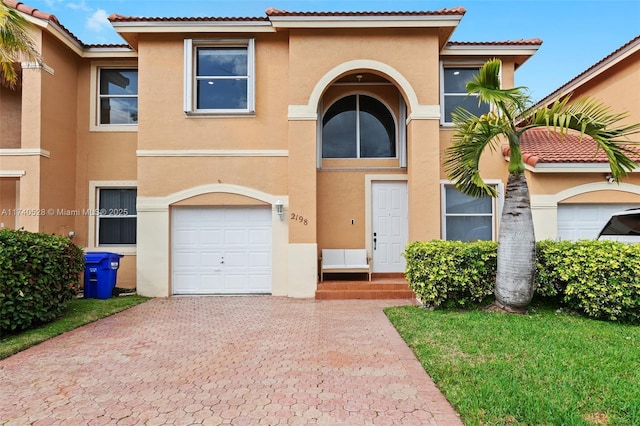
x=521, y=42
x=282, y=13
x=121, y=18
x=453, y=11
x=106, y=46
x=540, y=146
x=591, y=69
x=21, y=7
x=18, y=5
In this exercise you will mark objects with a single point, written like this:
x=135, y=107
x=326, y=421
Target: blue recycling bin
x=100, y=273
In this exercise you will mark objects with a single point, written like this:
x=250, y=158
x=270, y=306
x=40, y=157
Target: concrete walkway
x=225, y=360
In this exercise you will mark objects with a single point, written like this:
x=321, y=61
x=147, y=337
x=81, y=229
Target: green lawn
x=77, y=313
x=544, y=368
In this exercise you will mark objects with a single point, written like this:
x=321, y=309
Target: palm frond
x=462, y=159
x=486, y=84
x=15, y=45
x=592, y=118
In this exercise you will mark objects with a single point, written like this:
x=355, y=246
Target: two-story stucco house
x=221, y=155
x=572, y=195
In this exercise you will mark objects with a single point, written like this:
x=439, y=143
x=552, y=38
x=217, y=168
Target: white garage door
x=221, y=250
x=584, y=221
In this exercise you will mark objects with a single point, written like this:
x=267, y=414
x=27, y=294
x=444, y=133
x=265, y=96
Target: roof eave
x=595, y=71
x=57, y=31
x=348, y=21
x=97, y=52
x=542, y=167
x=190, y=27
x=520, y=53
x=74, y=45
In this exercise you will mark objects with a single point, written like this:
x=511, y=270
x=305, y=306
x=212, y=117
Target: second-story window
x=358, y=126
x=220, y=76
x=118, y=96
x=455, y=92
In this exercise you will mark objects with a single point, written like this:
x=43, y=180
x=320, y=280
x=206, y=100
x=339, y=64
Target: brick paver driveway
x=225, y=360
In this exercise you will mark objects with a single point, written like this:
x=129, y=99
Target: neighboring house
x=572, y=195
x=221, y=155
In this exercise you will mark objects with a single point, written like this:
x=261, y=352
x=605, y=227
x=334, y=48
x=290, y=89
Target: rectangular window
x=455, y=93
x=219, y=76
x=467, y=218
x=118, y=96
x=116, y=216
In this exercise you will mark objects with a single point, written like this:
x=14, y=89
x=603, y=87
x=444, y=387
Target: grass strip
x=78, y=312
x=543, y=368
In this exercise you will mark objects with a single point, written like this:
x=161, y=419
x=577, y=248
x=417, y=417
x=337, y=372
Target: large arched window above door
x=358, y=126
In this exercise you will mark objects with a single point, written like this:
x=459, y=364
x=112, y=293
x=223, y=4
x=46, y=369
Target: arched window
x=358, y=126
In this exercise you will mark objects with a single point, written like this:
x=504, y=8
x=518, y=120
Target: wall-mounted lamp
x=279, y=205
x=610, y=178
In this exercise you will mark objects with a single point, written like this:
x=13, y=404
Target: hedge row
x=600, y=279
x=39, y=274
x=451, y=273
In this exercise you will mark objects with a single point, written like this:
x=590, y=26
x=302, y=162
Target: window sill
x=132, y=128
x=226, y=114
x=127, y=251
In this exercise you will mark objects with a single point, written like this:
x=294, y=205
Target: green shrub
x=39, y=274
x=600, y=279
x=549, y=256
x=451, y=272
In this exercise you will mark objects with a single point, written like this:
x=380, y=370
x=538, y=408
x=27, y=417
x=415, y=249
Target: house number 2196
x=299, y=219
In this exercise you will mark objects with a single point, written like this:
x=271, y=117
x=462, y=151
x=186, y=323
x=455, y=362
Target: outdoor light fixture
x=279, y=209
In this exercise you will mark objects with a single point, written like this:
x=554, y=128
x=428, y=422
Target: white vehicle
x=622, y=226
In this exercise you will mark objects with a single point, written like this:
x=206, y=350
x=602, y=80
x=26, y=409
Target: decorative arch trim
x=310, y=110
x=552, y=200
x=596, y=186
x=163, y=203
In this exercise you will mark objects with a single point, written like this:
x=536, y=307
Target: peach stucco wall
x=413, y=52
x=617, y=88
x=163, y=124
x=552, y=183
x=8, y=188
x=58, y=135
x=10, y=112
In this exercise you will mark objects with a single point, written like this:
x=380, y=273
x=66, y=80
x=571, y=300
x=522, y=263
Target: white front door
x=389, y=225
x=221, y=250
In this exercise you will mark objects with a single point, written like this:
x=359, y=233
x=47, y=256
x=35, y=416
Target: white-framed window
x=117, y=96
x=116, y=216
x=219, y=76
x=454, y=93
x=359, y=126
x=113, y=105
x=466, y=218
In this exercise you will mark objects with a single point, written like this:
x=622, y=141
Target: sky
x=576, y=33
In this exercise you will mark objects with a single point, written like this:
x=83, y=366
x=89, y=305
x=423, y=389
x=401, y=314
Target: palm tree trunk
x=516, y=248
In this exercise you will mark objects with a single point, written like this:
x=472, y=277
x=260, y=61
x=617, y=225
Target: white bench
x=344, y=260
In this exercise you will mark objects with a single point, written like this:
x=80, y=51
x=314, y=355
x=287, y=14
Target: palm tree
x=511, y=116
x=15, y=45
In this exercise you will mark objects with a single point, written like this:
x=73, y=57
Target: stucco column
x=29, y=202
x=302, y=213
x=423, y=169
x=152, y=250
x=29, y=212
x=544, y=210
